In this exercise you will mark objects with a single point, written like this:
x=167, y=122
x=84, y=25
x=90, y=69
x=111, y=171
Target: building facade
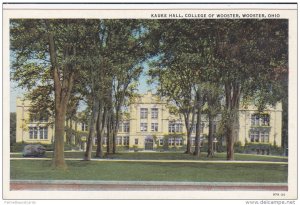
x=151, y=126
x=30, y=128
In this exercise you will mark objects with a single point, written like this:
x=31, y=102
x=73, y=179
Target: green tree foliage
x=47, y=56
x=245, y=57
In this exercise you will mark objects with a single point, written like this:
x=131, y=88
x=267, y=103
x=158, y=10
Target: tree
x=183, y=57
x=47, y=52
x=248, y=53
x=212, y=108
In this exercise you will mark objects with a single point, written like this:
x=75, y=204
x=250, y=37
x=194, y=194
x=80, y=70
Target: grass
x=171, y=156
x=151, y=171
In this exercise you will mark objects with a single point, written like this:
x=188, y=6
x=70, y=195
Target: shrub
x=238, y=148
x=18, y=147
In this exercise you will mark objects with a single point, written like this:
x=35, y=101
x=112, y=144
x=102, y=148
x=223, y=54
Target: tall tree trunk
x=198, y=125
x=92, y=128
x=229, y=142
x=101, y=122
x=58, y=158
x=62, y=92
x=188, y=130
x=109, y=144
x=210, y=149
x=232, y=97
x=115, y=130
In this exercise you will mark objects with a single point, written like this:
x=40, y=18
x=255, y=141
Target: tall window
x=30, y=132
x=143, y=127
x=144, y=113
x=171, y=141
x=154, y=113
x=136, y=141
x=120, y=126
x=119, y=141
x=264, y=136
x=171, y=127
x=161, y=142
x=126, y=140
x=35, y=132
x=126, y=127
x=43, y=132
x=84, y=127
x=154, y=127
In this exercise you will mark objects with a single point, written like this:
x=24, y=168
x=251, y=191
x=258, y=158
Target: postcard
x=150, y=101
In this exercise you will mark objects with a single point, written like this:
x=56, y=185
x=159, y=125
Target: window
x=136, y=141
x=84, y=127
x=264, y=136
x=175, y=127
x=38, y=132
x=126, y=127
x=154, y=127
x=119, y=141
x=265, y=120
x=43, y=131
x=154, y=113
x=30, y=132
x=171, y=127
x=255, y=120
x=171, y=141
x=178, y=127
x=143, y=127
x=126, y=140
x=178, y=141
x=144, y=113
x=35, y=132
x=260, y=120
x=259, y=136
x=254, y=136
x=161, y=142
x=120, y=127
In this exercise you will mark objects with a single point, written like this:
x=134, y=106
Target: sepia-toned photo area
x=156, y=107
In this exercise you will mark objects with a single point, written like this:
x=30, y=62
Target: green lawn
x=150, y=171
x=170, y=156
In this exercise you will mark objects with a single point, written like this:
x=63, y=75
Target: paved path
x=160, y=161
x=86, y=185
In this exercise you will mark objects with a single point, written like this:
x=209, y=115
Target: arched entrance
x=148, y=143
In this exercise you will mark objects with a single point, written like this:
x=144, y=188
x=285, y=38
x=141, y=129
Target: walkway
x=161, y=161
